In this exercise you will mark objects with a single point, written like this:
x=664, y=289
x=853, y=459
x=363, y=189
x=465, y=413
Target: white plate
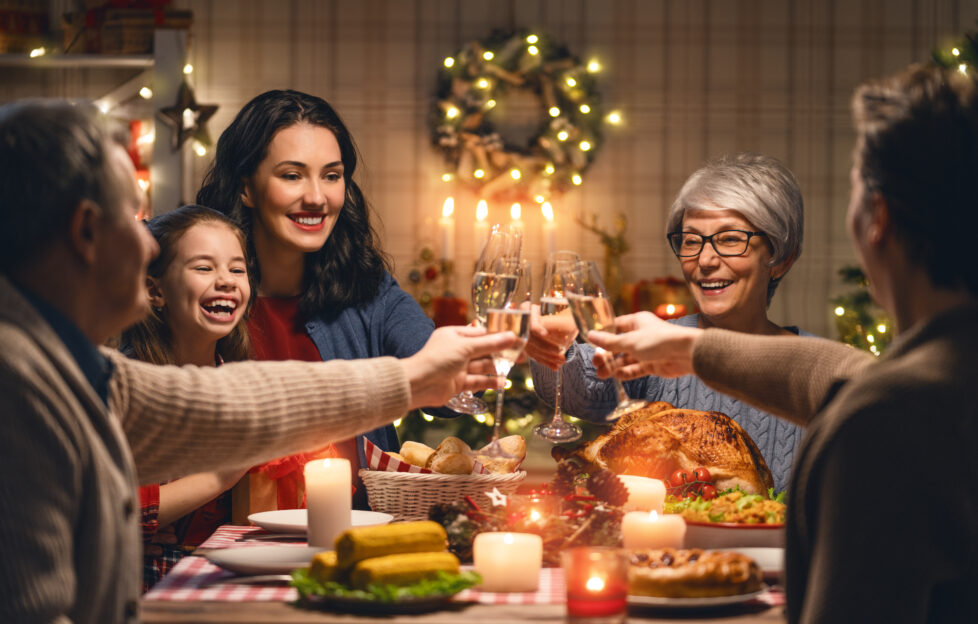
x=770, y=560
x=692, y=603
x=730, y=535
x=297, y=520
x=263, y=559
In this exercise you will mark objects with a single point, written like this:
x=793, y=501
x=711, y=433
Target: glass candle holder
x=531, y=512
x=597, y=584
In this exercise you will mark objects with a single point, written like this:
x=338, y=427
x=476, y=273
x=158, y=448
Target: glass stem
x=622, y=395
x=558, y=417
x=498, y=423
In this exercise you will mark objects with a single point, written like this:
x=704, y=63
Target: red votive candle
x=670, y=310
x=597, y=584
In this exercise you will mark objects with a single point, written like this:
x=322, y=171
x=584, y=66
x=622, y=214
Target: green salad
x=733, y=505
x=444, y=584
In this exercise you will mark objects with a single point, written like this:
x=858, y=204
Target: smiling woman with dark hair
x=284, y=170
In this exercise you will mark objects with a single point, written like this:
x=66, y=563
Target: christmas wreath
x=470, y=103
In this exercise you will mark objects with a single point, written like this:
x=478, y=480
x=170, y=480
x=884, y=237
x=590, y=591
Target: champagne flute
x=504, y=242
x=557, y=319
x=514, y=317
x=588, y=300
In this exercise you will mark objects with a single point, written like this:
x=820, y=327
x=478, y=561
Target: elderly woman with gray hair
x=736, y=228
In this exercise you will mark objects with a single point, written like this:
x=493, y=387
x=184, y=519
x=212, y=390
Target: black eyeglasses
x=725, y=242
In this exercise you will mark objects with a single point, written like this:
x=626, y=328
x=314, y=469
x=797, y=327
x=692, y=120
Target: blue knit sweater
x=586, y=396
x=391, y=324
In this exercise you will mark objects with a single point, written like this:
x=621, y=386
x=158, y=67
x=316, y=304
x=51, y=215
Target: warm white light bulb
x=576, y=179
x=839, y=311
x=585, y=146
x=571, y=82
x=881, y=328
x=549, y=169
x=145, y=93
x=562, y=135
x=593, y=66
x=452, y=112
x=614, y=117
x=482, y=83
x=446, y=177
x=491, y=104
x=200, y=149
x=585, y=109
x=532, y=39
x=554, y=111
x=515, y=174
x=479, y=173
x=188, y=69
x=449, y=61
x=955, y=52
x=533, y=50
x=487, y=55
x=36, y=52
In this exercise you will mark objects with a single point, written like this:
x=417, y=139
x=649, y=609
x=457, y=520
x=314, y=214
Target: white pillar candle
x=549, y=228
x=508, y=562
x=481, y=225
x=446, y=229
x=641, y=529
x=644, y=494
x=329, y=499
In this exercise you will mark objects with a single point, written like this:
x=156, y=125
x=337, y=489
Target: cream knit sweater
x=69, y=540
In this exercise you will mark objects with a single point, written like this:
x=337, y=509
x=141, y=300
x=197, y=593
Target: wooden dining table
x=196, y=590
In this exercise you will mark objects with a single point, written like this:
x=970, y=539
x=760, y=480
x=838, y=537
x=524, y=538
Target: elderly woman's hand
x=645, y=345
x=540, y=347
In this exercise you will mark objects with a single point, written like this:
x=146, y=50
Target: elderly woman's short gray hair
x=758, y=187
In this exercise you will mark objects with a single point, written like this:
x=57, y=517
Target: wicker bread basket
x=409, y=495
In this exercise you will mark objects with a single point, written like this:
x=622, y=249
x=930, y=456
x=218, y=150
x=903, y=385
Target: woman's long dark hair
x=348, y=270
x=151, y=340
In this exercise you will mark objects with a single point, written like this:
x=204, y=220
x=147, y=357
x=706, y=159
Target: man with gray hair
x=82, y=425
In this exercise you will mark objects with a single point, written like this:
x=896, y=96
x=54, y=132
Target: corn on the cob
x=324, y=569
x=362, y=543
x=402, y=569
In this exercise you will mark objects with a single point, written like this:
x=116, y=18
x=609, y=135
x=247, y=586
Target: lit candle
x=516, y=212
x=481, y=224
x=329, y=499
x=508, y=562
x=652, y=530
x=670, y=310
x=549, y=228
x=597, y=582
x=446, y=229
x=644, y=494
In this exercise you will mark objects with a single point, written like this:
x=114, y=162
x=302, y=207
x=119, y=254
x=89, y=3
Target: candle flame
x=653, y=516
x=595, y=584
x=515, y=211
x=448, y=207
x=548, y=211
x=535, y=516
x=508, y=538
x=670, y=309
x=482, y=210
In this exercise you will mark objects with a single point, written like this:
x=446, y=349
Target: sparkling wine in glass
x=592, y=309
x=490, y=289
x=557, y=318
x=513, y=317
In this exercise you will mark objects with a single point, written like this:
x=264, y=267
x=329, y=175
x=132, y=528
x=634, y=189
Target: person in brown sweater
x=83, y=425
x=883, y=504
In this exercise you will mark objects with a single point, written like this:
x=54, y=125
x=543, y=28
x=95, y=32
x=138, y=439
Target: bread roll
x=451, y=444
x=416, y=453
x=451, y=463
x=514, y=446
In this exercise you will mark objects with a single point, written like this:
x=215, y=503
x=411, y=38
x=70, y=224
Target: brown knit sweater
x=883, y=503
x=69, y=539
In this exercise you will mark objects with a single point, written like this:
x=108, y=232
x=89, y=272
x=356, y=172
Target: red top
x=276, y=335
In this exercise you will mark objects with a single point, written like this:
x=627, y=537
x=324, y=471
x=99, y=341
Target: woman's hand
x=646, y=345
x=454, y=359
x=539, y=347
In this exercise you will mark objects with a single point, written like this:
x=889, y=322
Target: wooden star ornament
x=187, y=118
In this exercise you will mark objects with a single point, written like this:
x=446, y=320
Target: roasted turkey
x=659, y=439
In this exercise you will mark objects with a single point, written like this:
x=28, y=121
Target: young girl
x=284, y=171
x=199, y=292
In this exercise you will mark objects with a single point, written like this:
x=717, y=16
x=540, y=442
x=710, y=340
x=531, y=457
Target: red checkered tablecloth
x=195, y=578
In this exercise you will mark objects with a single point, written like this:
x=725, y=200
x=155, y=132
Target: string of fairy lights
x=471, y=100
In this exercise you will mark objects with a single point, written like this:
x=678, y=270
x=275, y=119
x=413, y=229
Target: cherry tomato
x=691, y=493
x=679, y=478
x=709, y=492
x=702, y=474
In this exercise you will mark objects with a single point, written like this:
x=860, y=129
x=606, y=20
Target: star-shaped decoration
x=187, y=118
x=497, y=497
